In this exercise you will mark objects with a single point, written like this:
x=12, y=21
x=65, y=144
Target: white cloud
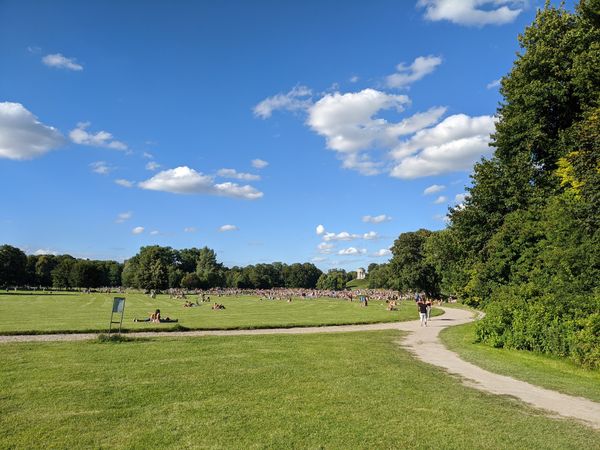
x=354, y=79
x=376, y=219
x=440, y=199
x=190, y=229
x=100, y=167
x=138, y=230
x=318, y=259
x=23, y=136
x=494, y=84
x=460, y=198
x=223, y=228
x=352, y=251
x=154, y=233
x=259, y=163
x=232, y=173
x=370, y=236
x=433, y=189
x=122, y=217
x=472, y=12
x=147, y=155
x=61, y=62
x=297, y=99
x=104, y=139
x=152, y=165
x=382, y=252
x=183, y=180
x=325, y=248
x=320, y=229
x=124, y=183
x=420, y=67
x=453, y=144
x=345, y=236
x=348, y=124
x=45, y=251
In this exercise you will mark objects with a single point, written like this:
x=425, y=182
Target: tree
x=43, y=269
x=61, y=275
x=409, y=265
x=13, y=266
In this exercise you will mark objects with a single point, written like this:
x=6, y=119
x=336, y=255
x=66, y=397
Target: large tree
x=13, y=266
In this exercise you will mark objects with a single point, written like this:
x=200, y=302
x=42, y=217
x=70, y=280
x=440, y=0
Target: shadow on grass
x=118, y=338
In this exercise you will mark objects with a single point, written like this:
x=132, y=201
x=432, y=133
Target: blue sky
x=243, y=126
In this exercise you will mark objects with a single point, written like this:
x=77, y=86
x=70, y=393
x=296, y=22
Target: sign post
x=118, y=307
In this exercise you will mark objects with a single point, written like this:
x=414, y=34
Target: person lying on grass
x=218, y=306
x=156, y=318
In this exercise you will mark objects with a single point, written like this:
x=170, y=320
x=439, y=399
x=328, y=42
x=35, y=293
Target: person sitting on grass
x=156, y=318
x=217, y=306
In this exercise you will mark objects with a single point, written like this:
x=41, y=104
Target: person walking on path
x=422, y=307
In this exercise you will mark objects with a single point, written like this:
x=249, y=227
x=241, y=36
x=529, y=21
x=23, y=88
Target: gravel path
x=424, y=343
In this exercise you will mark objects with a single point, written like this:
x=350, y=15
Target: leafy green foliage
x=526, y=243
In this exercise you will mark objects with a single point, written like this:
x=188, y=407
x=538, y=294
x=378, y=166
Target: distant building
x=360, y=273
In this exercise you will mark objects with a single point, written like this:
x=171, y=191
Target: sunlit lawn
x=339, y=391
x=551, y=372
x=91, y=312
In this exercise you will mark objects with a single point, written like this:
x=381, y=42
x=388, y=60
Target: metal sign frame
x=118, y=307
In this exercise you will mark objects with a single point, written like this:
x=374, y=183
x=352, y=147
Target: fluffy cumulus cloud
x=259, y=163
x=232, y=173
x=138, y=230
x=345, y=236
x=325, y=248
x=348, y=123
x=376, y=219
x=298, y=99
x=408, y=74
x=460, y=198
x=433, y=189
x=124, y=216
x=352, y=251
x=81, y=136
x=472, y=12
x=183, y=180
x=382, y=252
x=227, y=227
x=320, y=230
x=441, y=199
x=62, y=62
x=45, y=251
x=125, y=183
x=23, y=136
x=452, y=145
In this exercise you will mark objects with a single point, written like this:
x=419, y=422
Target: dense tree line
x=153, y=268
x=50, y=271
x=157, y=267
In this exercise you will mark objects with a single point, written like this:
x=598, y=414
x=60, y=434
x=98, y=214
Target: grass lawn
x=27, y=313
x=550, y=372
x=352, y=390
x=358, y=284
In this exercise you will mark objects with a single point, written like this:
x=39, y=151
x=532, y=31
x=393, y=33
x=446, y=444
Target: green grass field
x=358, y=284
x=74, y=312
x=338, y=391
x=550, y=372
